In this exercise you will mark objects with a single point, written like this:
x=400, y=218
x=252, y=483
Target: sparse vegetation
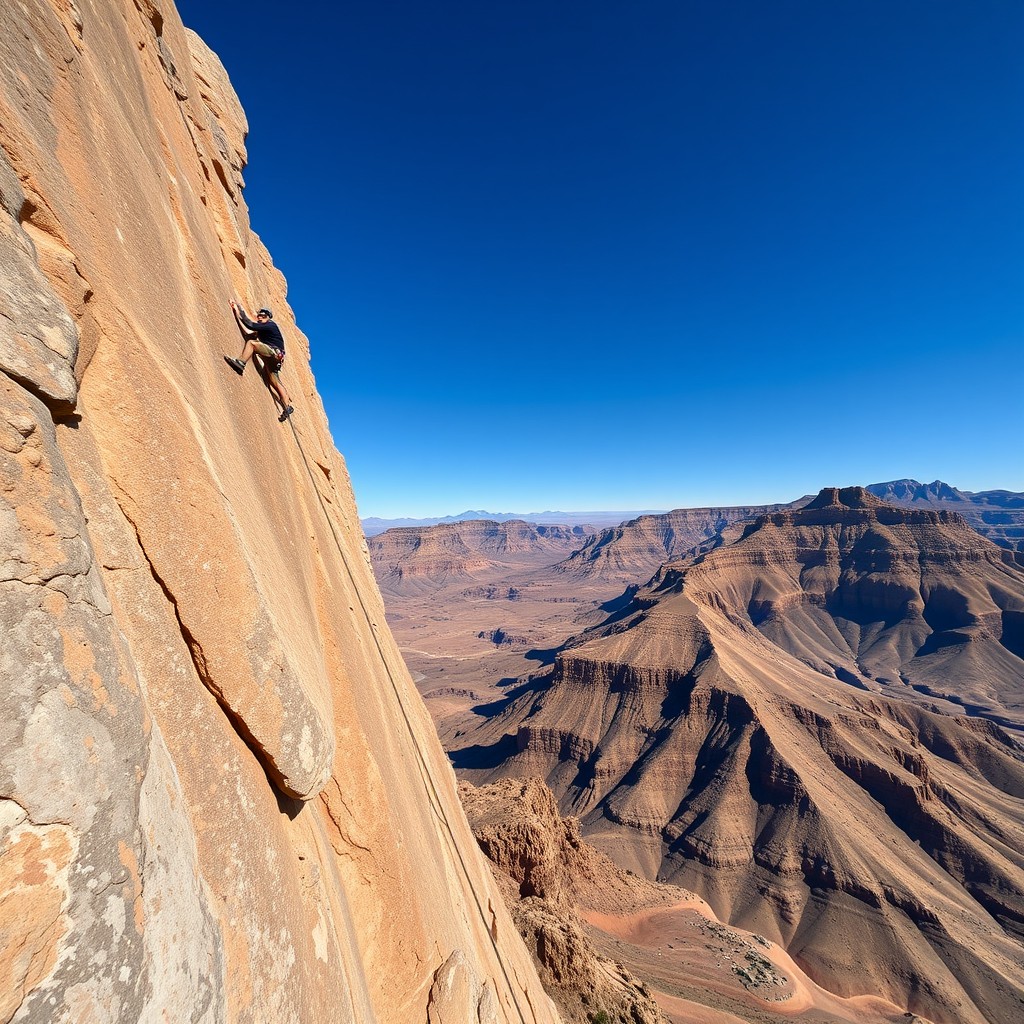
x=759, y=970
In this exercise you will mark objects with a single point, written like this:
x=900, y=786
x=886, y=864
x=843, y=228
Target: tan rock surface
x=753, y=727
x=220, y=796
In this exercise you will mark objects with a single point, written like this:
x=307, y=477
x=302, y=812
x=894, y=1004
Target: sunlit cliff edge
x=220, y=796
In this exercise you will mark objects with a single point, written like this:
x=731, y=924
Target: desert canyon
x=221, y=798
x=804, y=721
x=714, y=765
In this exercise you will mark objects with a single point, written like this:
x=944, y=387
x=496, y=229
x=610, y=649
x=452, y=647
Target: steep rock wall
x=220, y=797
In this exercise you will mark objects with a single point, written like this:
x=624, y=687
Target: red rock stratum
x=633, y=551
x=410, y=561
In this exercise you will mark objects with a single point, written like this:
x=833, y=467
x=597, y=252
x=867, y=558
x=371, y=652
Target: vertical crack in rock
x=202, y=670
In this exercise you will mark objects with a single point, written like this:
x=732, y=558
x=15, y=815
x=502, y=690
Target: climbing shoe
x=286, y=414
x=236, y=364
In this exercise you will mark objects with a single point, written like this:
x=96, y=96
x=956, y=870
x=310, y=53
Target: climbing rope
x=428, y=781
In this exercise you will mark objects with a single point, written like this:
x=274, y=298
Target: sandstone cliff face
x=220, y=797
x=753, y=726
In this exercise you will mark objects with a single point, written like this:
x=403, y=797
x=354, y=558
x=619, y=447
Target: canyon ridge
x=809, y=716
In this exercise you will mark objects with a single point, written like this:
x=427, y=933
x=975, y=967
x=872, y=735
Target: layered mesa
x=813, y=726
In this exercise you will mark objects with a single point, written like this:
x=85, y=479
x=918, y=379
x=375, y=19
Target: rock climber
x=267, y=341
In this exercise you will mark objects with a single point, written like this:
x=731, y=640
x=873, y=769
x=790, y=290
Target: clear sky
x=585, y=254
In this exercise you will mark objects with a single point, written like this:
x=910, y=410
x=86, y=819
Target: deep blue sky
x=609, y=255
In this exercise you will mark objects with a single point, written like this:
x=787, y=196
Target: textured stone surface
x=94, y=832
x=457, y=995
x=220, y=796
x=38, y=338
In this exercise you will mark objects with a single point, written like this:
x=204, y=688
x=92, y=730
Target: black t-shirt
x=268, y=332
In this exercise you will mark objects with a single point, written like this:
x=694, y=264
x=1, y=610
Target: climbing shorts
x=273, y=356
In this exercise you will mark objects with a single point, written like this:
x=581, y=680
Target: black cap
x=266, y=311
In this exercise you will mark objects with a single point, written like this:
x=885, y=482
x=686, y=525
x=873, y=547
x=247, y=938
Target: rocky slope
x=610, y=941
x=755, y=725
x=220, y=796
x=546, y=870
x=997, y=515
x=632, y=552
x=417, y=560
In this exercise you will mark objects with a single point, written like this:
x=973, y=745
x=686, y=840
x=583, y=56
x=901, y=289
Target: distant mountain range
x=373, y=525
x=912, y=492
x=997, y=515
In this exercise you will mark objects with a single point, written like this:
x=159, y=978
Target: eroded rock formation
x=779, y=726
x=220, y=797
x=546, y=870
x=421, y=560
x=997, y=515
x=632, y=552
